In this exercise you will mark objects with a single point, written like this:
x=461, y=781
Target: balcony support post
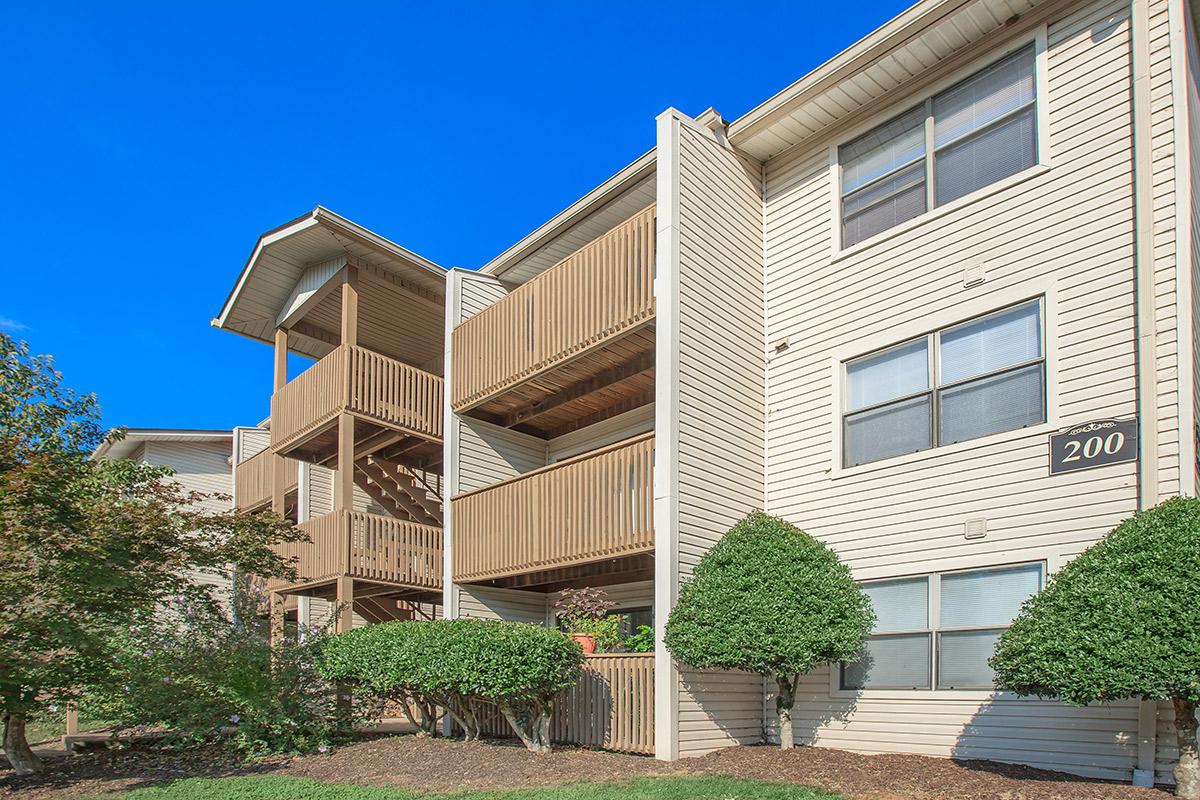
x=343, y=490
x=278, y=473
x=345, y=604
x=350, y=305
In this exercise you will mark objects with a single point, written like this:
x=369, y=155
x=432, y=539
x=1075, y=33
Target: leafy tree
x=1120, y=621
x=769, y=598
x=88, y=548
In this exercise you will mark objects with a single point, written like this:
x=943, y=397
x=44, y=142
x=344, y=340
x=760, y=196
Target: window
x=938, y=631
x=963, y=139
x=981, y=377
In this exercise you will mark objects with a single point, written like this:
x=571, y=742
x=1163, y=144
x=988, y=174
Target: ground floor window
x=937, y=631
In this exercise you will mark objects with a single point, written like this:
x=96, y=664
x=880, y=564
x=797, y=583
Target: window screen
x=889, y=393
x=892, y=660
x=979, y=131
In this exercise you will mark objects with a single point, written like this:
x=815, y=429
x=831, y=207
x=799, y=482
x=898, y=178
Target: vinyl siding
x=601, y=434
x=488, y=454
x=720, y=400
x=479, y=602
x=1065, y=233
x=249, y=442
x=1192, y=92
x=201, y=467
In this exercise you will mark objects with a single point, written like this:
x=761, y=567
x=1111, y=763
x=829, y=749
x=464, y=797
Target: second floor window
x=965, y=138
x=977, y=378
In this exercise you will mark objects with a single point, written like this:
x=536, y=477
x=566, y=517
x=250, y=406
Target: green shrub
x=769, y=598
x=458, y=665
x=640, y=641
x=1120, y=621
x=202, y=676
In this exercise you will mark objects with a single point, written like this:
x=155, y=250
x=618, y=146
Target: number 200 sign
x=1093, y=444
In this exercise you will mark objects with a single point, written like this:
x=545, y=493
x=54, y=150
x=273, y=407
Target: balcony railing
x=369, y=547
x=599, y=293
x=357, y=380
x=254, y=479
x=595, y=506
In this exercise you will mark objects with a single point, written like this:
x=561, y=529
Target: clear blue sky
x=145, y=146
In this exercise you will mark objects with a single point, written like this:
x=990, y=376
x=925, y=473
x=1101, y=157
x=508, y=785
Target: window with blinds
x=938, y=631
x=971, y=135
x=984, y=376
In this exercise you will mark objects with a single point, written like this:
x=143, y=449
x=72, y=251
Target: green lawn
x=279, y=788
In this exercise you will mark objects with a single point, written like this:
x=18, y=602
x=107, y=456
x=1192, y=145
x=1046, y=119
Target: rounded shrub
x=769, y=598
x=1120, y=621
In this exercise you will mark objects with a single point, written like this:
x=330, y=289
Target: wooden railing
x=598, y=293
x=610, y=707
x=587, y=508
x=360, y=381
x=254, y=479
x=370, y=547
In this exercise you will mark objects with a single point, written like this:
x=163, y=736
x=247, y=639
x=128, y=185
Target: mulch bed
x=447, y=765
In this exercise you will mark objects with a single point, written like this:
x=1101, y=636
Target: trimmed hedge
x=457, y=666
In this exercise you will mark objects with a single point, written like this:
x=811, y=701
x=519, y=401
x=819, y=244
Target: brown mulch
x=447, y=765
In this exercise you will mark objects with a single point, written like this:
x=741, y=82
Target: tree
x=769, y=598
x=1120, y=621
x=87, y=547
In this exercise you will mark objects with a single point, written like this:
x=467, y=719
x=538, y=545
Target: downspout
x=1146, y=341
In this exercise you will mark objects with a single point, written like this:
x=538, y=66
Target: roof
x=593, y=215
x=136, y=437
x=281, y=256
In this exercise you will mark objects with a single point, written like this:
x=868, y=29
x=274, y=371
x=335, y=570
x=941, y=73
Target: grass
x=280, y=788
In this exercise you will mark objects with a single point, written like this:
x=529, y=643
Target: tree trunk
x=23, y=760
x=784, y=701
x=1187, y=771
x=532, y=727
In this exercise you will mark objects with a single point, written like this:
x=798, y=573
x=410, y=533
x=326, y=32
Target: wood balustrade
x=611, y=706
x=254, y=479
x=369, y=547
x=599, y=293
x=356, y=380
x=591, y=507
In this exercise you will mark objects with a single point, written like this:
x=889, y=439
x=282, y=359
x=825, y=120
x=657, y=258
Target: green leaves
x=768, y=598
x=1121, y=620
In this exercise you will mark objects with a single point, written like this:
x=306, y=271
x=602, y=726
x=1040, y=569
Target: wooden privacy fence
x=368, y=546
x=363, y=382
x=593, y=506
x=254, y=479
x=611, y=707
x=600, y=292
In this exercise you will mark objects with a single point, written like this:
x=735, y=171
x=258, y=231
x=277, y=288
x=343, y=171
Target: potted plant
x=584, y=615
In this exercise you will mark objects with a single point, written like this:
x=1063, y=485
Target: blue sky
x=146, y=145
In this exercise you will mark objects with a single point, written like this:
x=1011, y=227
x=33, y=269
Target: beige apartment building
x=935, y=303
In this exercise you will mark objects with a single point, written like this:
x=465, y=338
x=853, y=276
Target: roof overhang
x=593, y=215
x=912, y=44
x=136, y=437
x=269, y=281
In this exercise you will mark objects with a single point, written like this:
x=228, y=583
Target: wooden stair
x=398, y=489
x=376, y=610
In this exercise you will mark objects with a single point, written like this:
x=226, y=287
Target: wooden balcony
x=588, y=518
x=573, y=342
x=369, y=548
x=398, y=408
x=254, y=480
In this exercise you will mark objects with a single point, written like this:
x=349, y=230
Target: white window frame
x=934, y=386
x=924, y=97
x=934, y=617
x=895, y=332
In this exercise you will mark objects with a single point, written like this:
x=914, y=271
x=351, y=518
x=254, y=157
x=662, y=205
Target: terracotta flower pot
x=586, y=641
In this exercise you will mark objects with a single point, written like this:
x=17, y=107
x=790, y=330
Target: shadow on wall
x=1099, y=741
x=719, y=709
x=815, y=707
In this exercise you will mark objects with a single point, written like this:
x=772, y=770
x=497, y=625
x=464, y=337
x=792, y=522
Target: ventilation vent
x=975, y=529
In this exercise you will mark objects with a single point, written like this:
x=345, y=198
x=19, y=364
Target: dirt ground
x=447, y=765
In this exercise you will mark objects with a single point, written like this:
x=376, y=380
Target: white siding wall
x=711, y=373
x=1192, y=93
x=201, y=467
x=1065, y=234
x=249, y=442
x=480, y=602
x=601, y=434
